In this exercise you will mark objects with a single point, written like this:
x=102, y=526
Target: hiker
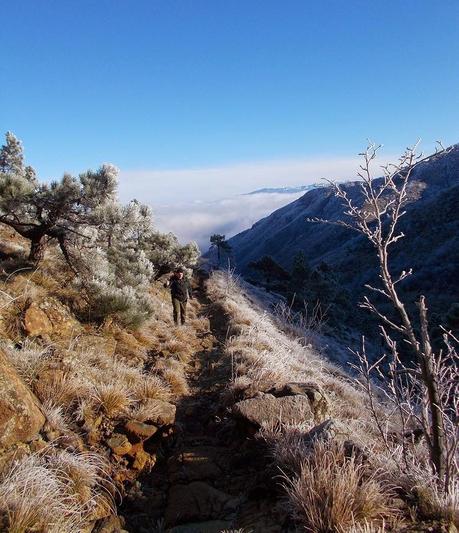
x=180, y=292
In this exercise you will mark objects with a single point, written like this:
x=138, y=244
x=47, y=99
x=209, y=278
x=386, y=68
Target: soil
x=210, y=476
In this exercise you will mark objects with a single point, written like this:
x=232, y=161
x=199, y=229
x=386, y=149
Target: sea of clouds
x=197, y=202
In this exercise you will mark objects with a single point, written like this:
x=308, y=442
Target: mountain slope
x=431, y=226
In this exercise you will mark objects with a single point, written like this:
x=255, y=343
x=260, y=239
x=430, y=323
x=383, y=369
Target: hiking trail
x=209, y=476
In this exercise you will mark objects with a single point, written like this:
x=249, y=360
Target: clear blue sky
x=183, y=84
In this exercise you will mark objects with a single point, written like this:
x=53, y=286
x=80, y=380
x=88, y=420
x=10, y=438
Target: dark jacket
x=180, y=288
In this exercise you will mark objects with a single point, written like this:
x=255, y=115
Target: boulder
x=326, y=431
x=36, y=321
x=271, y=410
x=158, y=412
x=47, y=317
x=318, y=400
x=196, y=502
x=20, y=415
x=119, y=444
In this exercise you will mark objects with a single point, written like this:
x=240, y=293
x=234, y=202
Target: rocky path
x=209, y=477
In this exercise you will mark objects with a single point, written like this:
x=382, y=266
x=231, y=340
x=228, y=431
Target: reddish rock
x=36, y=321
x=20, y=415
x=119, y=444
x=140, y=430
x=47, y=317
x=142, y=458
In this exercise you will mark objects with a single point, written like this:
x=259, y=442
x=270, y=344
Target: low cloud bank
x=161, y=186
x=197, y=221
x=184, y=201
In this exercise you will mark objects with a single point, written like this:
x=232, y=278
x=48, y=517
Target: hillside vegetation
x=113, y=419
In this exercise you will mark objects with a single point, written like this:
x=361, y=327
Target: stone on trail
x=196, y=463
x=318, y=400
x=20, y=415
x=271, y=410
x=198, y=501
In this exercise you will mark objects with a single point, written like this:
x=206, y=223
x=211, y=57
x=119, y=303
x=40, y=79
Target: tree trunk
x=439, y=449
x=37, y=249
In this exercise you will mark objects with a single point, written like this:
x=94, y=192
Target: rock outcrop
x=270, y=410
x=20, y=415
x=318, y=400
x=47, y=317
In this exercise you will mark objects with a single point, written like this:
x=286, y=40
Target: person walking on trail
x=180, y=292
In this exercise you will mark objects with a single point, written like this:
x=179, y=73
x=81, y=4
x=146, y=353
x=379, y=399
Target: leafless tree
x=425, y=395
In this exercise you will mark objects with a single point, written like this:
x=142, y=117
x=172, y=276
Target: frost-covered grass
x=102, y=376
x=334, y=492
x=323, y=489
x=53, y=491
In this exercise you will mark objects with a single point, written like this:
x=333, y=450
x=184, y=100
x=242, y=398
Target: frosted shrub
x=117, y=284
x=53, y=491
x=166, y=253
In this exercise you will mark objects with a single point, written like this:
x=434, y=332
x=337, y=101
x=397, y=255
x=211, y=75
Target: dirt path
x=209, y=477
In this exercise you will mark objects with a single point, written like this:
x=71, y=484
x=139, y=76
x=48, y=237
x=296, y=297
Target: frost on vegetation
x=54, y=491
x=263, y=357
x=113, y=251
x=28, y=360
x=118, y=283
x=259, y=350
x=334, y=492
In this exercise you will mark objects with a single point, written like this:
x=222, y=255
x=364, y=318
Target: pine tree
x=58, y=210
x=219, y=242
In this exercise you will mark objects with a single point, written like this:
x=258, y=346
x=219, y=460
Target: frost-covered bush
x=166, y=253
x=116, y=283
x=112, y=249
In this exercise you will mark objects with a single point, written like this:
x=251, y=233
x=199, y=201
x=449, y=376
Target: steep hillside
x=431, y=226
x=209, y=427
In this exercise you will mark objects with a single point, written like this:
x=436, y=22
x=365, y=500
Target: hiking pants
x=179, y=308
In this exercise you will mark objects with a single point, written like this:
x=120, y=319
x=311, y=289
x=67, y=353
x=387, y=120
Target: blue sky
x=185, y=85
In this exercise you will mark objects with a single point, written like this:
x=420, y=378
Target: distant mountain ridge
x=285, y=190
x=431, y=226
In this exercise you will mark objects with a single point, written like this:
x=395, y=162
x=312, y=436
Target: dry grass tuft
x=113, y=399
x=177, y=380
x=56, y=417
x=29, y=359
x=53, y=491
x=152, y=387
x=58, y=388
x=334, y=493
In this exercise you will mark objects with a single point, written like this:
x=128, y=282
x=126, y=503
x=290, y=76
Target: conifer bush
x=113, y=251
